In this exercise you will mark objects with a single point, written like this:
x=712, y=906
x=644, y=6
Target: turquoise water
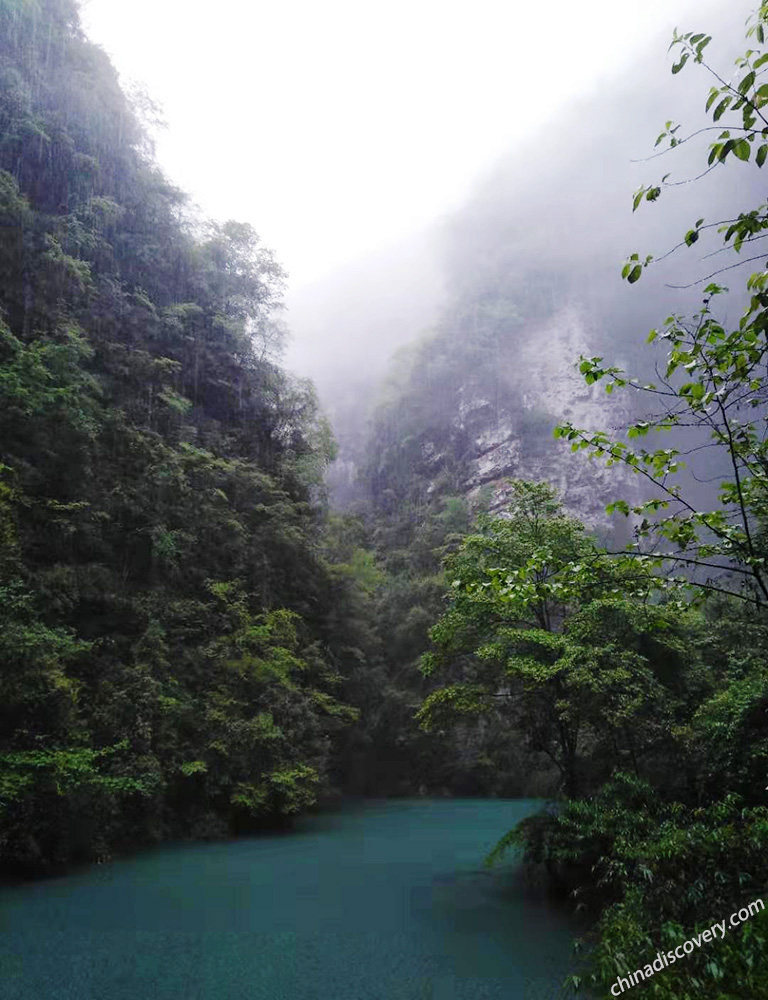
x=378, y=901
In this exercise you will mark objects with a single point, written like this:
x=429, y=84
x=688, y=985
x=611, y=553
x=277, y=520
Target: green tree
x=563, y=643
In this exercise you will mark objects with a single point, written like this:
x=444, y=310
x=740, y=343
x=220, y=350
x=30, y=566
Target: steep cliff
x=461, y=421
x=513, y=437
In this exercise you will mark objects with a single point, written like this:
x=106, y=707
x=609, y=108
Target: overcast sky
x=337, y=127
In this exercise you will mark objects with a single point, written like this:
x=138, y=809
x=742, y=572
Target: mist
x=253, y=587
x=544, y=229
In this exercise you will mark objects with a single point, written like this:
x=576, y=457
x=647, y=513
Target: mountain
x=173, y=636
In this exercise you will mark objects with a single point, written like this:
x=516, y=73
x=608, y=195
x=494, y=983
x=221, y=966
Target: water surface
x=381, y=900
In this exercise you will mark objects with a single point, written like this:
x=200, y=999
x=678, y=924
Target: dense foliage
x=411, y=542
x=642, y=672
x=184, y=626
x=173, y=640
x=191, y=645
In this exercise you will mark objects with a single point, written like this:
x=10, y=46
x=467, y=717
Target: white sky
x=338, y=126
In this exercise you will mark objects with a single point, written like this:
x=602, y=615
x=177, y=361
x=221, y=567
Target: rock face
x=467, y=427
x=513, y=439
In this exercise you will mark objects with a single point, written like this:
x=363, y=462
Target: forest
x=551, y=589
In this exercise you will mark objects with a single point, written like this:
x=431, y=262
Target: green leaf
x=698, y=390
x=721, y=108
x=742, y=149
x=634, y=274
x=747, y=82
x=725, y=149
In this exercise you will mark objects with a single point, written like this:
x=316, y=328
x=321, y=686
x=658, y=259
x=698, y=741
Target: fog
x=407, y=164
x=337, y=129
x=551, y=218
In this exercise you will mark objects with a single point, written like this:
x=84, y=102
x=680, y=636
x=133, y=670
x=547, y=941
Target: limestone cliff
x=547, y=388
x=480, y=422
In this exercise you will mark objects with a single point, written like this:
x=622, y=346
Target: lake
x=380, y=900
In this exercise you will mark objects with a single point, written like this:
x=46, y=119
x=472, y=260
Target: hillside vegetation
x=171, y=656
x=193, y=644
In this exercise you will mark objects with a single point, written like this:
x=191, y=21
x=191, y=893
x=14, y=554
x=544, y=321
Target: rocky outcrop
x=513, y=439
